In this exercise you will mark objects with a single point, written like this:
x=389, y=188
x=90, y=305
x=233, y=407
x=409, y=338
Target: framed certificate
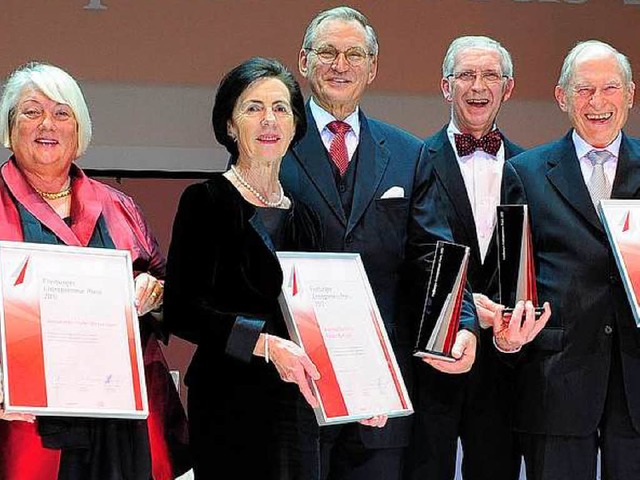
x=621, y=220
x=331, y=312
x=69, y=332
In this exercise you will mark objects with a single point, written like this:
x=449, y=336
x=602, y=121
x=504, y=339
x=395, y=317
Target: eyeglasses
x=489, y=77
x=355, y=56
x=61, y=113
x=588, y=91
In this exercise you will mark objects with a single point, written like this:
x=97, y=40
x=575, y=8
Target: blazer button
x=608, y=329
x=613, y=279
x=349, y=239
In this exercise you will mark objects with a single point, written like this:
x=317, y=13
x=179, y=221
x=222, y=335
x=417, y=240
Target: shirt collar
x=323, y=118
x=582, y=147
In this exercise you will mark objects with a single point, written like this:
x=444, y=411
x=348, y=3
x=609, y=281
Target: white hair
x=346, y=14
x=53, y=82
x=485, y=43
x=566, y=73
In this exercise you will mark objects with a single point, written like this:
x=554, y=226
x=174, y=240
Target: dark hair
x=237, y=81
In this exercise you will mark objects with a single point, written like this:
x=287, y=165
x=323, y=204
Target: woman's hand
x=293, y=365
x=378, y=421
x=149, y=291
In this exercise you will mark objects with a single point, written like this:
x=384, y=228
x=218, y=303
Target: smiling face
x=44, y=134
x=338, y=86
x=262, y=121
x=475, y=101
x=597, y=98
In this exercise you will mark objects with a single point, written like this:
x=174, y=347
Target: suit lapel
x=448, y=170
x=310, y=152
x=565, y=175
x=373, y=158
x=627, y=181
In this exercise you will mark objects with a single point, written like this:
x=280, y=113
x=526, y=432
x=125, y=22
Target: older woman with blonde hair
x=46, y=198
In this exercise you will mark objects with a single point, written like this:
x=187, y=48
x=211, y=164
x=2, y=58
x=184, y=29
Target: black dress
x=223, y=282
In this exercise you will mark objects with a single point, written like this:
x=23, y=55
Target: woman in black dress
x=223, y=282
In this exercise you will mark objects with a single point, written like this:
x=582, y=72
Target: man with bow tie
x=466, y=161
x=577, y=382
x=365, y=179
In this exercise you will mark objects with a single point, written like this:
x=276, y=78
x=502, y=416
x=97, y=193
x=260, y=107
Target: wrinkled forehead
x=476, y=58
x=340, y=34
x=596, y=65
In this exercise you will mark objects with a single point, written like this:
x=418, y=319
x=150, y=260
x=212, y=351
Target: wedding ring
x=154, y=294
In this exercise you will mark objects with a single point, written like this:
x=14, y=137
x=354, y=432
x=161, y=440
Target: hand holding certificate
x=331, y=312
x=70, y=339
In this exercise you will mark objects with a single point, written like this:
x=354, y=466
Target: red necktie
x=338, y=149
x=466, y=144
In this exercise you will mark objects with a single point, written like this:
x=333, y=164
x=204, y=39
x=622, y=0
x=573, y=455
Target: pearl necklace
x=257, y=194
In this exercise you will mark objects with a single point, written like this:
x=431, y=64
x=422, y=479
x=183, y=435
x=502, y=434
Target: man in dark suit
x=577, y=382
x=467, y=157
x=364, y=178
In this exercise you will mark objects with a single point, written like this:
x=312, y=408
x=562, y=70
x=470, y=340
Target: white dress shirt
x=583, y=148
x=482, y=175
x=324, y=118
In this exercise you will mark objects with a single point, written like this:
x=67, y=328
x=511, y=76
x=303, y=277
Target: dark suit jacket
x=562, y=375
x=377, y=228
x=489, y=379
x=455, y=201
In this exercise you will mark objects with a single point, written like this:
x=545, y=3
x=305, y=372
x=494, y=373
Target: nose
x=478, y=82
x=47, y=122
x=269, y=117
x=597, y=98
x=340, y=64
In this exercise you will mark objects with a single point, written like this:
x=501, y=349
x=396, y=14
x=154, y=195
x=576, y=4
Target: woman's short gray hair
x=53, y=82
x=346, y=14
x=566, y=73
x=485, y=43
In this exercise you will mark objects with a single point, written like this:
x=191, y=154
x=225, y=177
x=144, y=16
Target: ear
x=508, y=89
x=231, y=130
x=373, y=70
x=632, y=90
x=303, y=62
x=561, y=98
x=445, y=87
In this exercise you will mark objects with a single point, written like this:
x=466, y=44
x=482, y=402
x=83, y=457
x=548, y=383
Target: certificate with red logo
x=621, y=220
x=69, y=332
x=331, y=312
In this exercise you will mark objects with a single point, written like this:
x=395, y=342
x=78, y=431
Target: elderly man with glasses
x=365, y=180
x=467, y=157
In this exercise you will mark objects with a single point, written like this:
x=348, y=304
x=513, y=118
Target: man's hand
x=512, y=332
x=464, y=351
x=486, y=309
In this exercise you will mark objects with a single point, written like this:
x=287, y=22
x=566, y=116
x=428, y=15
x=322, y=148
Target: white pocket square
x=393, y=192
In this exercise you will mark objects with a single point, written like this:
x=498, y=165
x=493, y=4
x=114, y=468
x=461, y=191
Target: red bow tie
x=466, y=144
